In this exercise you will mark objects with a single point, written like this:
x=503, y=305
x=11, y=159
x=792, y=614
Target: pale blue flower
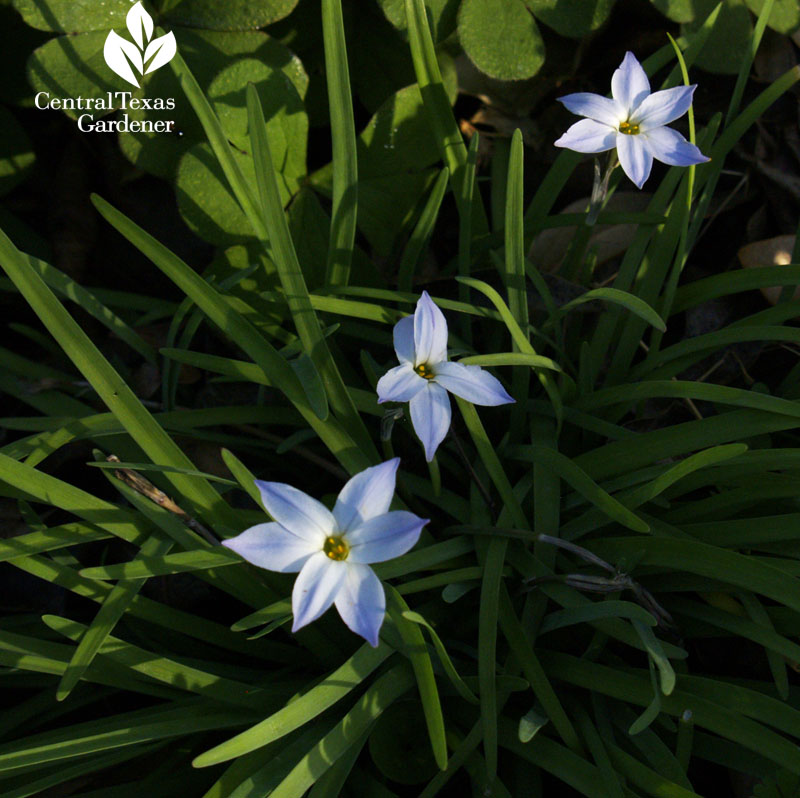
x=425, y=375
x=331, y=550
x=633, y=121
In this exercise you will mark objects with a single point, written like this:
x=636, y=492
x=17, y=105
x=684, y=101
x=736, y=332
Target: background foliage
x=222, y=307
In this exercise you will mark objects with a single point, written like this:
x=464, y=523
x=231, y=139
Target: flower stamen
x=628, y=128
x=336, y=548
x=424, y=371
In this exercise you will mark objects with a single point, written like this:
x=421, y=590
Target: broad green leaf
x=209, y=53
x=388, y=204
x=52, y=70
x=442, y=15
x=676, y=10
x=205, y=198
x=397, y=137
x=501, y=38
x=785, y=15
x=572, y=18
x=729, y=38
x=281, y=86
x=66, y=16
x=394, y=150
x=16, y=152
x=233, y=15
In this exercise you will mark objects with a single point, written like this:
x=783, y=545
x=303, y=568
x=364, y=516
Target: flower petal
x=361, y=602
x=400, y=384
x=589, y=136
x=472, y=383
x=594, y=106
x=273, y=547
x=384, y=537
x=430, y=332
x=663, y=107
x=366, y=495
x=316, y=587
x=635, y=160
x=404, y=340
x=669, y=146
x=430, y=415
x=299, y=513
x=629, y=83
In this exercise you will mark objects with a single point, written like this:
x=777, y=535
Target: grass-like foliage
x=593, y=553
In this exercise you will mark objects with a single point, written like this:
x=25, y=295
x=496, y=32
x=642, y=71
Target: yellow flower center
x=628, y=128
x=336, y=548
x=424, y=371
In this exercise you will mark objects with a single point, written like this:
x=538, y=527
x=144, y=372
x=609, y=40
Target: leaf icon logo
x=144, y=53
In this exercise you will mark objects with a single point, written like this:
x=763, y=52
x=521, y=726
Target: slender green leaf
x=381, y=694
x=417, y=653
x=343, y=137
x=304, y=708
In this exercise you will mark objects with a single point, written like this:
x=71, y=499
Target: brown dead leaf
x=609, y=240
x=769, y=252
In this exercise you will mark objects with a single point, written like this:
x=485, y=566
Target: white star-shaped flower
x=425, y=375
x=331, y=550
x=633, y=121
